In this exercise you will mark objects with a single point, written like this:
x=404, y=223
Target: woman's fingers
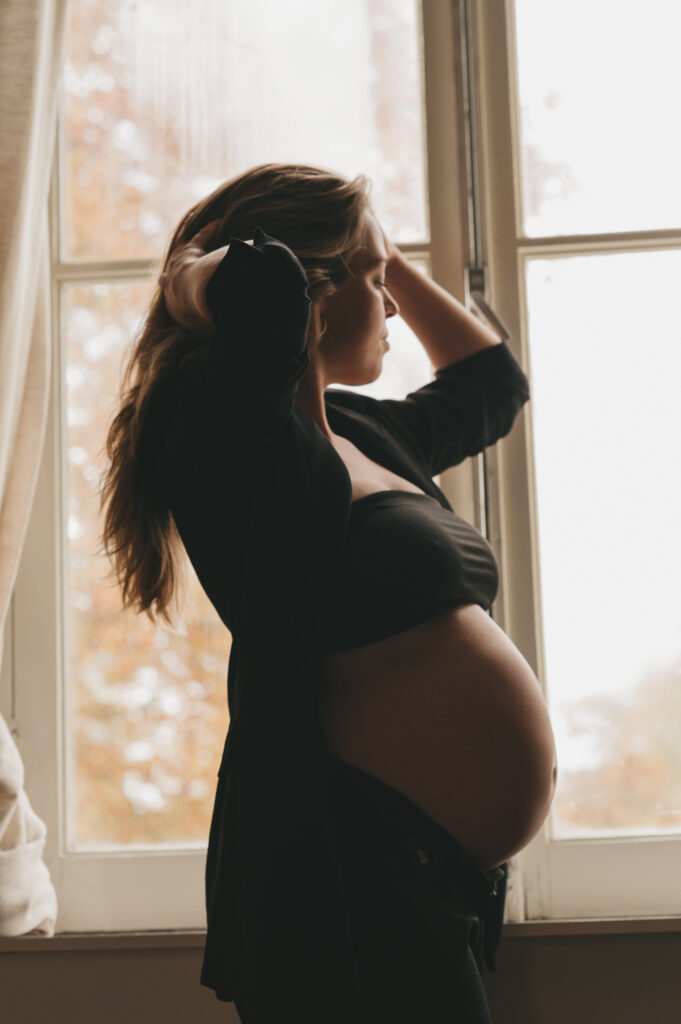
x=391, y=249
x=203, y=237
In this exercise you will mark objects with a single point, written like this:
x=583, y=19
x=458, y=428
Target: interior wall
x=541, y=980
x=590, y=979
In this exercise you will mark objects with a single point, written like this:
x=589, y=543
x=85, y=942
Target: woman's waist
x=455, y=643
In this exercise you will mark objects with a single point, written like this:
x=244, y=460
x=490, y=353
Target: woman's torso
x=447, y=712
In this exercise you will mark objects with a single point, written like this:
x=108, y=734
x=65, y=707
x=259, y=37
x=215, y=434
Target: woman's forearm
x=445, y=328
x=184, y=284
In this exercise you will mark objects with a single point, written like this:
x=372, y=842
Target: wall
x=591, y=979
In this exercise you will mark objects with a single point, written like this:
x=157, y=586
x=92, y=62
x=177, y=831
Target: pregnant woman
x=389, y=747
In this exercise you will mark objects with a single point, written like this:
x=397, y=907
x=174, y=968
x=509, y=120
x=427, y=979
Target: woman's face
x=351, y=349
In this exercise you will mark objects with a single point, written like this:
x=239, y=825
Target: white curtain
x=31, y=53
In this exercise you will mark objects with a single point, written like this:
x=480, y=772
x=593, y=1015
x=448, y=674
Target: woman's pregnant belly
x=450, y=714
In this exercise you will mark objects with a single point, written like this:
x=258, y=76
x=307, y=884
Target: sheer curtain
x=31, y=50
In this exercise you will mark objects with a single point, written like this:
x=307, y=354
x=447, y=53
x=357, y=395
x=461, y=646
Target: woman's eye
x=382, y=283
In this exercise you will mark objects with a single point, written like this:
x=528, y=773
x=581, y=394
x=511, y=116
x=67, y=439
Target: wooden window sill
x=195, y=938
x=63, y=941
x=592, y=926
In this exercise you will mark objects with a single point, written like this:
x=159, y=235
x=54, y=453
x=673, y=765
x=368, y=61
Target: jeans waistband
x=401, y=821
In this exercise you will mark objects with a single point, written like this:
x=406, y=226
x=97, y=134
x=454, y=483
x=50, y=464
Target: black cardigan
x=261, y=500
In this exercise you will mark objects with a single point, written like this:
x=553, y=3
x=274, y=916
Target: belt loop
x=415, y=844
x=493, y=920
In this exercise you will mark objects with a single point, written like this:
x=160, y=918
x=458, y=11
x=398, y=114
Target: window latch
x=476, y=290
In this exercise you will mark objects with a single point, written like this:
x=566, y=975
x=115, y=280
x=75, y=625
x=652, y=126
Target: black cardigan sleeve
x=245, y=388
x=206, y=423
x=467, y=407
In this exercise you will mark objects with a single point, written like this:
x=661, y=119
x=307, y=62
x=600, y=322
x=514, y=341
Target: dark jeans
x=425, y=916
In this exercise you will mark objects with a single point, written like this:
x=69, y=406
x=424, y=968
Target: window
x=487, y=150
x=157, y=108
x=582, y=173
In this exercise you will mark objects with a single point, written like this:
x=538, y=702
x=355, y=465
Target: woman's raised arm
x=248, y=307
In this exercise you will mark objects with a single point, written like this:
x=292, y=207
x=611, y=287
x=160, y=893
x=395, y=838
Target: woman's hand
x=185, y=278
x=392, y=250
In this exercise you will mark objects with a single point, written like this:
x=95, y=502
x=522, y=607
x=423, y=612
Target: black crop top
x=406, y=559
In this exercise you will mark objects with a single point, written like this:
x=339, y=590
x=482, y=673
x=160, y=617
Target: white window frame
x=469, y=199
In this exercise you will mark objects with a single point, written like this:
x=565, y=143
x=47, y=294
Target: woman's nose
x=391, y=307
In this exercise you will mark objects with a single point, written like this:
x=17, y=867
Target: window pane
x=147, y=707
x=599, y=83
x=164, y=100
x=605, y=359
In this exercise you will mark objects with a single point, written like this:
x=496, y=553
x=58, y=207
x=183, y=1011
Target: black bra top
x=406, y=559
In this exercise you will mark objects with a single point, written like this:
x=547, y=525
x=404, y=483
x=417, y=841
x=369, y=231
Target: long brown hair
x=318, y=214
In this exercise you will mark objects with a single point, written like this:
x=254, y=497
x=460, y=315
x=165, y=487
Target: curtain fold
x=31, y=56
